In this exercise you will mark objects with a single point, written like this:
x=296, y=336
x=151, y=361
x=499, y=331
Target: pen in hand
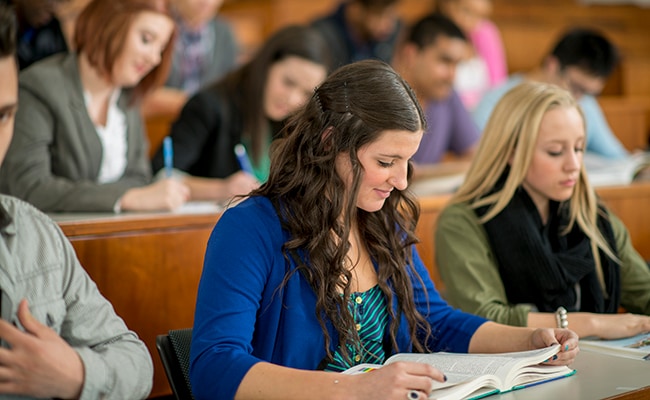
x=242, y=158
x=168, y=156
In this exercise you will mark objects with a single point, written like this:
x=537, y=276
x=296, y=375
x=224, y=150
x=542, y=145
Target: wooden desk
x=598, y=376
x=147, y=265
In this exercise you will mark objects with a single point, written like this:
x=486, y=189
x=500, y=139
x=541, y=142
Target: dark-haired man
x=581, y=61
x=40, y=33
x=361, y=29
x=60, y=338
x=427, y=58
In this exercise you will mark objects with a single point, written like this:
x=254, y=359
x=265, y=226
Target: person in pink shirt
x=485, y=66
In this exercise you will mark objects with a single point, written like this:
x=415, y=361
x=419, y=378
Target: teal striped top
x=370, y=314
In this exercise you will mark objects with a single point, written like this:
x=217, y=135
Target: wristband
x=561, y=318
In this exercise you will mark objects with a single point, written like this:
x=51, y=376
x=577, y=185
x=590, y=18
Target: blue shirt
x=600, y=138
x=242, y=317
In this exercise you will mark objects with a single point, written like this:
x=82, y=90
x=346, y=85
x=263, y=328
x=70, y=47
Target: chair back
x=174, y=351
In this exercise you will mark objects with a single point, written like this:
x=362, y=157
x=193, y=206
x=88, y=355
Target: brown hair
x=101, y=31
x=356, y=104
x=7, y=31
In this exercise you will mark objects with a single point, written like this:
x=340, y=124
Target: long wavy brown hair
x=351, y=109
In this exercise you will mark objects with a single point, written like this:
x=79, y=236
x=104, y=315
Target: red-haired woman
x=79, y=143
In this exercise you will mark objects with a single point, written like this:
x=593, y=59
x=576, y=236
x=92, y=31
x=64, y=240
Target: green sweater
x=471, y=274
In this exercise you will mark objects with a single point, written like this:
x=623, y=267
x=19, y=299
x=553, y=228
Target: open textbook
x=480, y=375
x=606, y=172
x=637, y=347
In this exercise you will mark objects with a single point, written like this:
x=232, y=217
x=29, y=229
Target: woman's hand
x=240, y=183
x=165, y=194
x=396, y=381
x=616, y=326
x=567, y=339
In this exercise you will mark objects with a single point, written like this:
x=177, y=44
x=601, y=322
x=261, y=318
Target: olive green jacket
x=470, y=272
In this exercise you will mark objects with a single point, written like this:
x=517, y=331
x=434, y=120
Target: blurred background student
x=40, y=33
x=580, y=61
x=79, y=143
x=205, y=49
x=525, y=241
x=247, y=106
x=484, y=66
x=361, y=29
x=427, y=58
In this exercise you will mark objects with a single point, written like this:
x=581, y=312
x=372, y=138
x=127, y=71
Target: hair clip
x=317, y=98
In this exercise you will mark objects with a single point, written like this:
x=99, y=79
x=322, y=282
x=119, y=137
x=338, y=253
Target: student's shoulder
x=52, y=79
x=254, y=212
x=27, y=217
x=221, y=25
x=49, y=70
x=455, y=210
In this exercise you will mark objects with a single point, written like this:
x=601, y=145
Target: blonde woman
x=525, y=241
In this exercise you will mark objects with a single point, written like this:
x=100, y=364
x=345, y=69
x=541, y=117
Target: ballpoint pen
x=242, y=158
x=168, y=156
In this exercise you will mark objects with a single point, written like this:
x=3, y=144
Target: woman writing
x=247, y=106
x=79, y=144
x=526, y=240
x=317, y=269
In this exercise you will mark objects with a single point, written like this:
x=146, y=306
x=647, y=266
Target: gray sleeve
x=117, y=363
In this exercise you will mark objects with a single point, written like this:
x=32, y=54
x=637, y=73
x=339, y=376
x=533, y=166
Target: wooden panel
x=628, y=118
x=149, y=268
x=636, y=75
x=430, y=208
x=157, y=127
x=631, y=204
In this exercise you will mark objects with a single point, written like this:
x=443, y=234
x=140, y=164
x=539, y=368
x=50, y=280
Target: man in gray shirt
x=60, y=338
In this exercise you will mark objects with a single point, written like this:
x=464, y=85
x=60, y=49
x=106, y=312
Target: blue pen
x=244, y=161
x=168, y=156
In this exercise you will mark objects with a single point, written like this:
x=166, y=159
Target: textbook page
x=478, y=375
x=605, y=172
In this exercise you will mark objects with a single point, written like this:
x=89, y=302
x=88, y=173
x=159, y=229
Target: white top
x=471, y=81
x=113, y=139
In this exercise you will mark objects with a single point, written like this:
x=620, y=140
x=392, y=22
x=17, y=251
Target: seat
x=174, y=351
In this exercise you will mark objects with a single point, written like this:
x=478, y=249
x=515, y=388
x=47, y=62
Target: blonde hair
x=509, y=139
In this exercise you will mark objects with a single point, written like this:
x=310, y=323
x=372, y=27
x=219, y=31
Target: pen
x=244, y=161
x=168, y=156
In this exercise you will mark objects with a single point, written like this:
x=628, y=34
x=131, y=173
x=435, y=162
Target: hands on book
x=567, y=339
x=398, y=381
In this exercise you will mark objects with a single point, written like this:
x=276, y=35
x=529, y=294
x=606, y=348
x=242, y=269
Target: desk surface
x=80, y=224
x=598, y=376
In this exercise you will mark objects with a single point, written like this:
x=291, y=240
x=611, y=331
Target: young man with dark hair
x=581, y=61
x=361, y=29
x=60, y=338
x=427, y=58
x=39, y=32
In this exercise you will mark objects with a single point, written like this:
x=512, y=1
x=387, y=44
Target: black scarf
x=540, y=266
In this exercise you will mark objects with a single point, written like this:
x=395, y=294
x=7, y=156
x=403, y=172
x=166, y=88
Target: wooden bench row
x=149, y=265
x=528, y=28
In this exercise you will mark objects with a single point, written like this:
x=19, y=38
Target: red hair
x=102, y=28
